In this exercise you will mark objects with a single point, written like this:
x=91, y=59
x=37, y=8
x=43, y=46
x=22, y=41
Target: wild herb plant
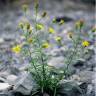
x=36, y=45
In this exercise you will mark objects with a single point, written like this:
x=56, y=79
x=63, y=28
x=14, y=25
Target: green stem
x=55, y=91
x=74, y=53
x=43, y=65
x=34, y=93
x=34, y=64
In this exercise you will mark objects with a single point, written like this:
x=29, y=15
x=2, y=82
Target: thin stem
x=43, y=70
x=74, y=52
x=34, y=93
x=34, y=65
x=32, y=60
x=42, y=60
x=55, y=91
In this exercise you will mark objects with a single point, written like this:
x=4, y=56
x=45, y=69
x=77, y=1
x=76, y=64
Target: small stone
x=11, y=79
x=2, y=80
x=69, y=88
x=79, y=63
x=86, y=76
x=4, y=86
x=24, y=84
x=13, y=70
x=1, y=40
x=83, y=76
x=7, y=94
x=55, y=52
x=89, y=89
x=45, y=94
x=57, y=62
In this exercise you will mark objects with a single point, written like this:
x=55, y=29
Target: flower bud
x=21, y=25
x=51, y=30
x=39, y=26
x=25, y=7
x=94, y=29
x=58, y=38
x=79, y=24
x=70, y=34
x=61, y=22
x=44, y=14
x=27, y=25
x=45, y=45
x=54, y=20
x=30, y=40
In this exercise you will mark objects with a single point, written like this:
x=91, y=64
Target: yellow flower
x=39, y=26
x=85, y=43
x=61, y=22
x=58, y=38
x=51, y=30
x=79, y=24
x=45, y=45
x=16, y=49
x=25, y=7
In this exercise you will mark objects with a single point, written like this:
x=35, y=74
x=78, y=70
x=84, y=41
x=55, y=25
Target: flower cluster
x=36, y=46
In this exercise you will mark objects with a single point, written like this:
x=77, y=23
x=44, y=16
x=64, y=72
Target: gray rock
x=86, y=76
x=24, y=84
x=85, y=79
x=90, y=90
x=89, y=1
x=11, y=79
x=79, y=63
x=1, y=40
x=83, y=76
x=55, y=52
x=57, y=62
x=7, y=94
x=4, y=74
x=69, y=88
x=22, y=81
x=9, y=73
x=45, y=94
x=59, y=51
x=4, y=94
x=13, y=70
x=2, y=80
x=4, y=86
x=70, y=71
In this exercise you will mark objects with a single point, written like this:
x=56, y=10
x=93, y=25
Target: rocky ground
x=12, y=66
